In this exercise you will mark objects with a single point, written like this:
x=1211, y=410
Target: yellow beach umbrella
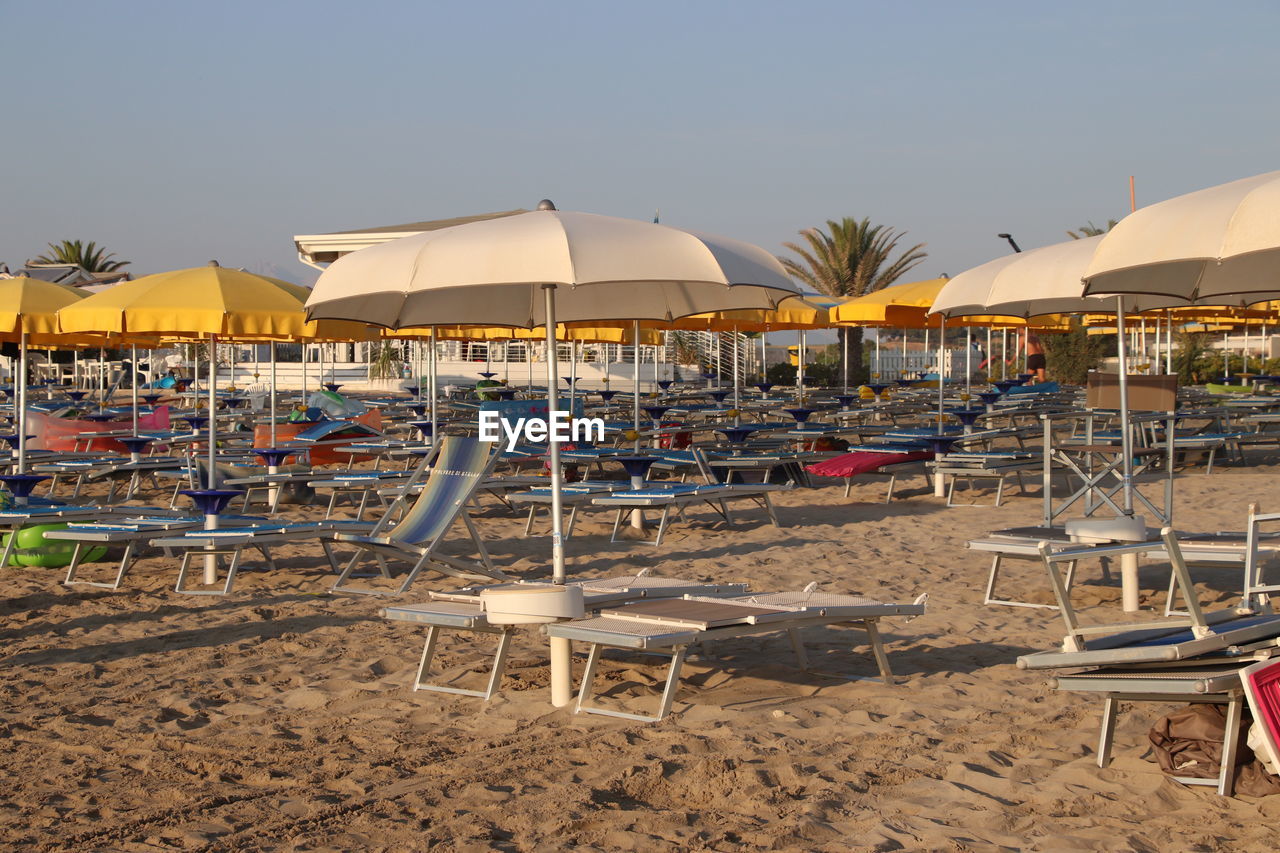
x=210, y=301
x=29, y=306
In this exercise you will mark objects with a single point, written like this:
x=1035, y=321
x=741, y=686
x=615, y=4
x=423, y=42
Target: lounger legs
x=668, y=692
x=78, y=554
x=185, y=566
x=495, y=672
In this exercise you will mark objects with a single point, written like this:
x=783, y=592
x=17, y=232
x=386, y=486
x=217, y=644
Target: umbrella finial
x=214, y=264
x=546, y=204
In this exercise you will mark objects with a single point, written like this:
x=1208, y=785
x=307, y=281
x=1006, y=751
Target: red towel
x=862, y=461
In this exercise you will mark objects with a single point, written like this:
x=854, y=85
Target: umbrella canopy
x=31, y=305
x=1216, y=244
x=508, y=272
x=1039, y=281
x=581, y=334
x=494, y=272
x=907, y=306
x=796, y=312
x=209, y=300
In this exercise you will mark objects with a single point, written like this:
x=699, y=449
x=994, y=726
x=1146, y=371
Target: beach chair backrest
x=1074, y=641
x=462, y=463
x=1257, y=595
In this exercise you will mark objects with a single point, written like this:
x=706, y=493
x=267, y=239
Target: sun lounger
x=130, y=531
x=231, y=543
x=973, y=467
x=1169, y=639
x=672, y=626
x=572, y=495
x=666, y=497
x=461, y=610
x=456, y=472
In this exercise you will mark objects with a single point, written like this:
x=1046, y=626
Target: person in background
x=1034, y=347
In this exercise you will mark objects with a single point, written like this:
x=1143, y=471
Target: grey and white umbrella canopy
x=1216, y=246
x=493, y=272
x=1039, y=281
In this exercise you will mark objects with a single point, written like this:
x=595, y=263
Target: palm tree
x=86, y=255
x=1091, y=230
x=851, y=258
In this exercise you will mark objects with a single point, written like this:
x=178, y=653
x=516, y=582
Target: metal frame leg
x=495, y=671
x=1107, y=732
x=668, y=692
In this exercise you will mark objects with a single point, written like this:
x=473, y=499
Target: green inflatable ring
x=32, y=549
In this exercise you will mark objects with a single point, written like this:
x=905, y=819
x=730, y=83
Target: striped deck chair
x=460, y=466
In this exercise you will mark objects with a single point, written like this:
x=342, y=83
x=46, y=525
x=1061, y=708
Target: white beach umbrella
x=1216, y=246
x=540, y=268
x=613, y=269
x=1047, y=280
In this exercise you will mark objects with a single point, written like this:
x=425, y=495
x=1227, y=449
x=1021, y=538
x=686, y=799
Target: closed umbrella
x=540, y=268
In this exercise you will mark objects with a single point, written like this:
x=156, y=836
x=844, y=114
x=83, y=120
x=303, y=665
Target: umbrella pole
x=635, y=383
x=737, y=380
x=939, y=481
x=431, y=371
x=20, y=400
x=1168, y=353
x=528, y=355
x=800, y=369
x=878, y=375
x=573, y=371
x=968, y=364
x=211, y=519
x=271, y=412
x=1128, y=562
x=561, y=659
x=133, y=385
x=844, y=336
x=903, y=372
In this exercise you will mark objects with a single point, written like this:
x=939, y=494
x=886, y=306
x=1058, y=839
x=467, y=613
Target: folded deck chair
x=460, y=466
x=1171, y=639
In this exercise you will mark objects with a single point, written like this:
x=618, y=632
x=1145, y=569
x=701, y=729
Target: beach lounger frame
x=131, y=533
x=1218, y=685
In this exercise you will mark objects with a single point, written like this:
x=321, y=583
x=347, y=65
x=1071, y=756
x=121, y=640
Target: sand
x=281, y=717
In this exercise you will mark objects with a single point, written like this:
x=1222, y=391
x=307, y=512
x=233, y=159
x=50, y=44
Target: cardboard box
x=1146, y=393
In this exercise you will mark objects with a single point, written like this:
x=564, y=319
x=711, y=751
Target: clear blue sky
x=174, y=133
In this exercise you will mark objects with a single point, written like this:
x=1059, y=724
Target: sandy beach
x=282, y=717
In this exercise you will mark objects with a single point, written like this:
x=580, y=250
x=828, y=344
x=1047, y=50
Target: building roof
x=316, y=249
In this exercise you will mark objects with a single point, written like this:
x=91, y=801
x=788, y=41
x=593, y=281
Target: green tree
x=1070, y=357
x=1091, y=230
x=87, y=255
x=850, y=258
